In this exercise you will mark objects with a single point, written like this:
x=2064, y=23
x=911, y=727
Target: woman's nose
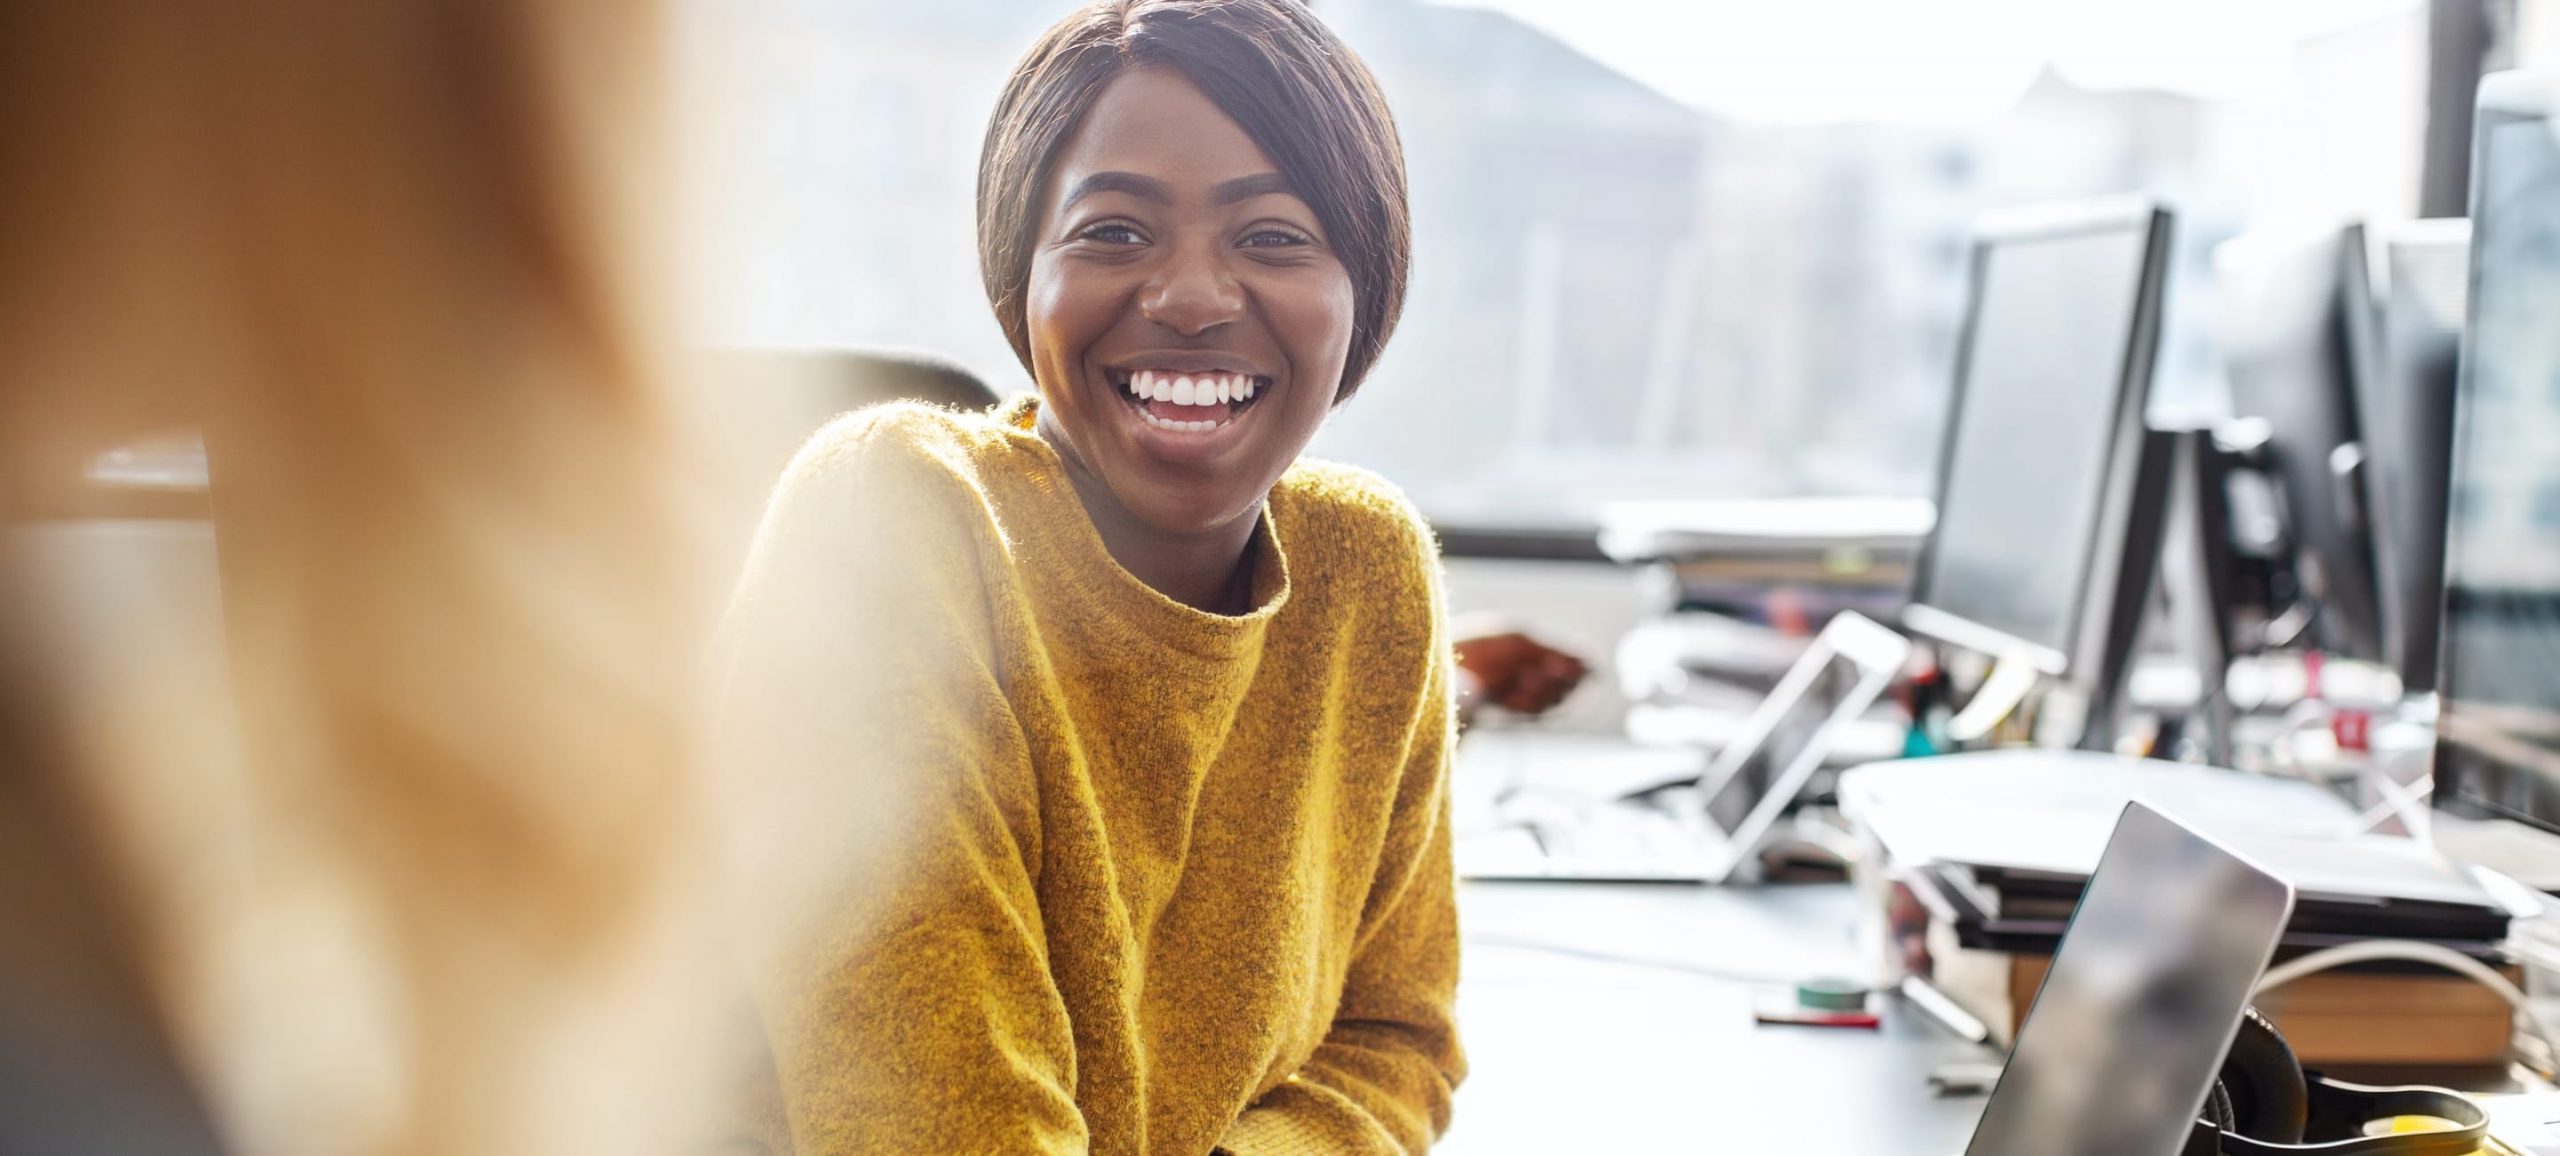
x=1192, y=294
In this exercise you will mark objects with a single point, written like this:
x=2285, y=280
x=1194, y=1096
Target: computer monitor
x=2498, y=751
x=2405, y=404
x=2035, y=492
x=2199, y=573
x=2291, y=308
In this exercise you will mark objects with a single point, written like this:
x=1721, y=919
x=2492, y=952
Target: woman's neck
x=1210, y=571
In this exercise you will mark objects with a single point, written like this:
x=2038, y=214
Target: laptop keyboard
x=1555, y=835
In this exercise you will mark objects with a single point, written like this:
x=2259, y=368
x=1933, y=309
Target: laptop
x=1711, y=828
x=2146, y=992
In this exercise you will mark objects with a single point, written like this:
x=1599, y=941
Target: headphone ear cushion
x=2269, y=1099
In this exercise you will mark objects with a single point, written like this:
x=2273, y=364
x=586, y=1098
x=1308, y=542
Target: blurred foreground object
x=395, y=260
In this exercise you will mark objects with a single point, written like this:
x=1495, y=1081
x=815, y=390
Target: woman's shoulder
x=1361, y=518
x=903, y=474
x=902, y=439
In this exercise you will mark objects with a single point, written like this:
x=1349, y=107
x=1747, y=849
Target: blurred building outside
x=1616, y=294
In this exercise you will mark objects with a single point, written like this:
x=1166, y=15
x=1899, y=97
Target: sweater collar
x=1068, y=532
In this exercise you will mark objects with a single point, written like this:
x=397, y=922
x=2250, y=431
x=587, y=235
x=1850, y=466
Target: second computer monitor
x=2034, y=487
x=2290, y=311
x=2407, y=404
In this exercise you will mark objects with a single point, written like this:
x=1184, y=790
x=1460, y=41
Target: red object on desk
x=1779, y=1006
x=1808, y=1018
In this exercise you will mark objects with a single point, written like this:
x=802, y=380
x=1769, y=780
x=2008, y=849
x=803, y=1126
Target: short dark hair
x=1275, y=70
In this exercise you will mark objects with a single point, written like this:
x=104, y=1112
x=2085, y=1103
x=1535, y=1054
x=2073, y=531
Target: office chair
x=781, y=396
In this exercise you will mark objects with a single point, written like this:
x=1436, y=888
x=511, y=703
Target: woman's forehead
x=1154, y=123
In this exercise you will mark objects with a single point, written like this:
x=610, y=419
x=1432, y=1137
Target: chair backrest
x=779, y=397
x=771, y=401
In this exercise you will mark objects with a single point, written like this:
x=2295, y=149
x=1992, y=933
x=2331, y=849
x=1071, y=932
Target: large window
x=1664, y=248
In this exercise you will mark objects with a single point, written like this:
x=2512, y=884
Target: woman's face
x=1188, y=321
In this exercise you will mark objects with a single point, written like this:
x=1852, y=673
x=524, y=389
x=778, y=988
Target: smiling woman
x=1096, y=746
x=1171, y=255
x=1160, y=194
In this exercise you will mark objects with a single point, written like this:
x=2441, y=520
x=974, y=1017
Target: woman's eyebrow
x=1094, y=184
x=1247, y=188
x=1243, y=188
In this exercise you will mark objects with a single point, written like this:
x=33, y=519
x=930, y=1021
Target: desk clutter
x=1974, y=866
x=1989, y=940
x=2209, y=743
x=2277, y=630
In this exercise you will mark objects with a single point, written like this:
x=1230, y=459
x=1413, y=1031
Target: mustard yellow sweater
x=1040, y=861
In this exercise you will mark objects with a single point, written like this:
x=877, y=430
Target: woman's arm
x=1382, y=1079
x=888, y=829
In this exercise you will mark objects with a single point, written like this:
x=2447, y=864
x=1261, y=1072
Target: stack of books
x=1971, y=865
x=1992, y=933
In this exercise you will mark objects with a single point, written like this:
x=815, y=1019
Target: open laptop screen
x=1765, y=764
x=2144, y=997
x=1782, y=744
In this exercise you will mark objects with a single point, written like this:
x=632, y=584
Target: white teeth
x=1204, y=389
x=1183, y=426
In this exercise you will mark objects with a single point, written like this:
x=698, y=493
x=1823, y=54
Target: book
x=2339, y=1017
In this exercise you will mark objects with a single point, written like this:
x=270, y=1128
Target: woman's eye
x=1112, y=234
x=1276, y=239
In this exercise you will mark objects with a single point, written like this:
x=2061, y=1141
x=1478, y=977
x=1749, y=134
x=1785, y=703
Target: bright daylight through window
x=1664, y=248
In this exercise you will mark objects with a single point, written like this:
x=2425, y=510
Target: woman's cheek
x=1048, y=303
x=1316, y=323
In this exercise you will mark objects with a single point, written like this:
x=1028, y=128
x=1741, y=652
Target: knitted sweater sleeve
x=1382, y=1080
x=887, y=830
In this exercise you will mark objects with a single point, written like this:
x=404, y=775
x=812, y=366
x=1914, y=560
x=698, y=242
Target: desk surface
x=1572, y=1052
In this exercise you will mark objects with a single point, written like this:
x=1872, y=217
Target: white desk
x=1574, y=1054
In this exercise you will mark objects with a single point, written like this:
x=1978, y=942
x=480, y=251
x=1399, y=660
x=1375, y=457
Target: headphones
x=2265, y=1104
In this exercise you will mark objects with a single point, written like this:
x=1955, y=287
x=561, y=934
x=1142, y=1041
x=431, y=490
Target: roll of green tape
x=1831, y=995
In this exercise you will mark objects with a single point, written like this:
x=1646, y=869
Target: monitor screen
x=2143, y=998
x=2501, y=646
x=2023, y=485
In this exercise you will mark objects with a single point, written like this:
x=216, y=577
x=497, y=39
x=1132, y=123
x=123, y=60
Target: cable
x=2412, y=951
x=1629, y=960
